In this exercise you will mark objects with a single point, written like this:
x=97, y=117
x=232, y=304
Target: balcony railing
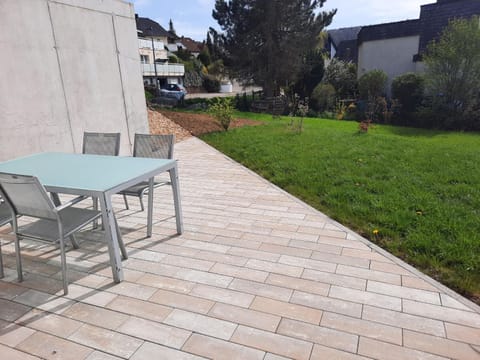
x=163, y=69
x=147, y=44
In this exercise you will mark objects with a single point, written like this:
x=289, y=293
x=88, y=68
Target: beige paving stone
x=463, y=333
x=365, y=297
x=221, y=350
x=362, y=327
x=417, y=283
x=181, y=301
x=95, y=315
x=255, y=288
x=384, y=351
x=389, y=268
x=381, y=276
x=286, y=250
x=51, y=347
x=222, y=295
x=402, y=320
x=329, y=240
x=9, y=291
x=153, y=351
x=294, y=283
x=439, y=346
x=203, y=245
x=203, y=277
x=147, y=255
x=136, y=291
x=335, y=279
x=88, y=295
x=318, y=335
x=325, y=303
x=50, y=323
x=155, y=332
x=442, y=313
x=287, y=310
x=274, y=267
x=222, y=258
x=248, y=317
x=326, y=248
x=12, y=354
x=140, y=308
x=245, y=241
x=201, y=324
x=254, y=254
x=404, y=292
x=239, y=272
x=11, y=311
x=266, y=239
x=321, y=352
x=449, y=301
x=166, y=283
x=270, y=356
x=365, y=254
x=188, y=262
x=341, y=259
x=98, y=355
x=308, y=263
x=12, y=334
x=274, y=343
x=106, y=340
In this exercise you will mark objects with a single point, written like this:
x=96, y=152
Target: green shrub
x=343, y=77
x=148, y=96
x=408, y=90
x=372, y=84
x=222, y=110
x=211, y=84
x=323, y=97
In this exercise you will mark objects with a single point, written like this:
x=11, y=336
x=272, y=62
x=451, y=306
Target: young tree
x=453, y=66
x=266, y=39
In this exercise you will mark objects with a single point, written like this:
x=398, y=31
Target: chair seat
x=72, y=219
x=138, y=189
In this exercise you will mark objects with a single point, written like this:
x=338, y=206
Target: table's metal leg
x=95, y=207
x=56, y=202
x=120, y=240
x=176, y=198
x=150, y=207
x=108, y=219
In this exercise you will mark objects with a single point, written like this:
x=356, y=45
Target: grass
x=420, y=189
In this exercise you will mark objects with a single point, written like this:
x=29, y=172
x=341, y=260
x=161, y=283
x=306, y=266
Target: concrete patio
x=256, y=275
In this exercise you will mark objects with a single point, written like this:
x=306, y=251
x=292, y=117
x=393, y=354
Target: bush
x=211, y=84
x=148, y=96
x=408, y=90
x=222, y=110
x=343, y=77
x=323, y=97
x=372, y=84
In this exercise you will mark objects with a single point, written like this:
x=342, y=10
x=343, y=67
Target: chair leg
x=2, y=274
x=125, y=201
x=63, y=258
x=141, y=202
x=19, y=258
x=74, y=242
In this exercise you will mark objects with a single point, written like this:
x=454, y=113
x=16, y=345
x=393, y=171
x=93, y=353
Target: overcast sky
x=192, y=18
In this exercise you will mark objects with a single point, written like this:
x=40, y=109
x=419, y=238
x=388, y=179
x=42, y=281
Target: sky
x=192, y=18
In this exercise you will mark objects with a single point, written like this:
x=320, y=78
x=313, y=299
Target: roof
x=148, y=27
x=191, y=45
x=337, y=36
x=435, y=17
x=389, y=30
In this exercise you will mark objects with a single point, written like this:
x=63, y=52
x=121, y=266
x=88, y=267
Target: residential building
x=153, y=44
x=398, y=47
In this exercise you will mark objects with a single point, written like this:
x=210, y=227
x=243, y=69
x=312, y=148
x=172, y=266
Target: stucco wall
x=68, y=66
x=394, y=56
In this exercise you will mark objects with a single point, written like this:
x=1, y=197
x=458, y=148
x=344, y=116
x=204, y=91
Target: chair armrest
x=71, y=202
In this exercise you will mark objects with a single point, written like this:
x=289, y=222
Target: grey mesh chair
x=149, y=146
x=101, y=143
x=26, y=196
x=5, y=218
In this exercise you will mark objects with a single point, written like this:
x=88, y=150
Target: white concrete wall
x=68, y=66
x=394, y=56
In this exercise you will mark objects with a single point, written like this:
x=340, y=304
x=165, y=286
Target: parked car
x=176, y=91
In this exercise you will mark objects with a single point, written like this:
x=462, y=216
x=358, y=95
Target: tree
x=453, y=67
x=171, y=29
x=343, y=77
x=372, y=84
x=266, y=40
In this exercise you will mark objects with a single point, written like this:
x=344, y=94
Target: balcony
x=147, y=44
x=163, y=69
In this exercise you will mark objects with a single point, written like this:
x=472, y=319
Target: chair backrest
x=154, y=146
x=101, y=143
x=5, y=212
x=27, y=196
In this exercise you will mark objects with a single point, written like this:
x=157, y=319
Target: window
x=144, y=59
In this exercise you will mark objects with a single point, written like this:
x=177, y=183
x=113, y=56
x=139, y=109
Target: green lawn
x=420, y=189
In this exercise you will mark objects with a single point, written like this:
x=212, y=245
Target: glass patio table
x=101, y=177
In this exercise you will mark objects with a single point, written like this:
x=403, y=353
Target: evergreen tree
x=266, y=40
x=171, y=29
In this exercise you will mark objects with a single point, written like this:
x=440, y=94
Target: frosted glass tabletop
x=96, y=173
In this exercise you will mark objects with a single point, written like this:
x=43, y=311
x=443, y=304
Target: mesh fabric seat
x=26, y=196
x=101, y=143
x=149, y=146
x=5, y=218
